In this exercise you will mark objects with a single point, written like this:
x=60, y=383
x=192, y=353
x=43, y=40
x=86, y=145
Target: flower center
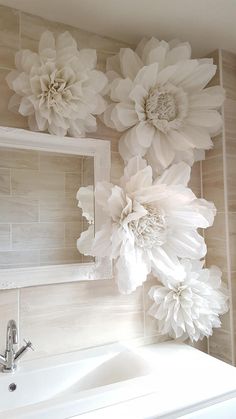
x=178, y=291
x=166, y=106
x=160, y=106
x=151, y=229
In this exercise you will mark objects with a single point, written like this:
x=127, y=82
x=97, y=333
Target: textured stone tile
x=73, y=318
x=18, y=210
x=21, y=258
x=8, y=118
x=220, y=345
x=60, y=256
x=5, y=236
x=63, y=210
x=8, y=310
x=38, y=236
x=53, y=162
x=36, y=184
x=87, y=174
x=13, y=158
x=9, y=36
x=229, y=73
x=232, y=239
x=213, y=181
x=72, y=233
x=117, y=167
x=73, y=182
x=5, y=186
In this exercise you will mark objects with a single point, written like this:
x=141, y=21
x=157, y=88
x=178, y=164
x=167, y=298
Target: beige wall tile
x=232, y=239
x=231, y=182
x=217, y=231
x=117, y=167
x=35, y=184
x=5, y=236
x=20, y=258
x=195, y=180
x=8, y=310
x=106, y=133
x=60, y=256
x=18, y=158
x=9, y=36
x=217, y=149
x=52, y=162
x=8, y=118
x=230, y=126
x=220, y=345
x=37, y=236
x=87, y=174
x=213, y=181
x=229, y=73
x=79, y=315
x=72, y=233
x=201, y=345
x=60, y=209
x=5, y=187
x=217, y=253
x=18, y=210
x=73, y=182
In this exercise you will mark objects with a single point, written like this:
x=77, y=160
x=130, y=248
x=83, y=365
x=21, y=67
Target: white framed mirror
x=40, y=220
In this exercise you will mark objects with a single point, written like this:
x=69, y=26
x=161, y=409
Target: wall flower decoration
x=159, y=101
x=85, y=197
x=189, y=307
x=150, y=224
x=58, y=88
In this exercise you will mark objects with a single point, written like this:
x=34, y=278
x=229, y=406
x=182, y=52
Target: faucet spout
x=12, y=335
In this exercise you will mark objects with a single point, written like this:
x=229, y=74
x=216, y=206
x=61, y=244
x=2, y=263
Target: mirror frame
x=101, y=268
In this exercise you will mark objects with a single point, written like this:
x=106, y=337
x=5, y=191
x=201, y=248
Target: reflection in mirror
x=40, y=220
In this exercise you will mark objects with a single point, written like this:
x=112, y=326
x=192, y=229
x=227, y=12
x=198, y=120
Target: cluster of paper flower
x=156, y=96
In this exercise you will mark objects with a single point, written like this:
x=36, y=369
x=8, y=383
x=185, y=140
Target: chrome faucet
x=9, y=360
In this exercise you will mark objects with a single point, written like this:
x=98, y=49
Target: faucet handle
x=28, y=344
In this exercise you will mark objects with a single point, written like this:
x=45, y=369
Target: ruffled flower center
x=151, y=229
x=166, y=107
x=178, y=291
x=54, y=91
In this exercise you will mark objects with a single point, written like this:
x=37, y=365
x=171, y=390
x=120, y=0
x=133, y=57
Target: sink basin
x=71, y=384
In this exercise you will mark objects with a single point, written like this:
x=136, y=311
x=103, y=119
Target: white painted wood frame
x=101, y=268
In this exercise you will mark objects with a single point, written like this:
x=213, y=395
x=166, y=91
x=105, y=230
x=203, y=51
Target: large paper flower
x=158, y=98
x=150, y=224
x=189, y=307
x=58, y=88
x=85, y=197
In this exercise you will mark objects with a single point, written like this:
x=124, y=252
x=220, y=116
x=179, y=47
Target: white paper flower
x=149, y=225
x=58, y=88
x=85, y=197
x=190, y=307
x=158, y=98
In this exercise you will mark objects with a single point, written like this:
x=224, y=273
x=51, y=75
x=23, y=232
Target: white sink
x=75, y=383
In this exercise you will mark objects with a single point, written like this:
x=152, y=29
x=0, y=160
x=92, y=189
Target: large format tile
x=38, y=236
x=8, y=310
x=5, y=184
x=20, y=258
x=36, y=184
x=213, y=181
x=229, y=73
x=220, y=345
x=13, y=158
x=18, y=210
x=9, y=36
x=55, y=162
x=5, y=236
x=79, y=315
x=8, y=118
x=232, y=239
x=60, y=256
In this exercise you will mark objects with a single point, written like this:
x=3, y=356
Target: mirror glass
x=40, y=220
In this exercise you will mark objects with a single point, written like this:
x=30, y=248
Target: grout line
x=227, y=217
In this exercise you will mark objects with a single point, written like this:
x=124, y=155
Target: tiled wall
x=40, y=218
x=60, y=318
x=219, y=185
